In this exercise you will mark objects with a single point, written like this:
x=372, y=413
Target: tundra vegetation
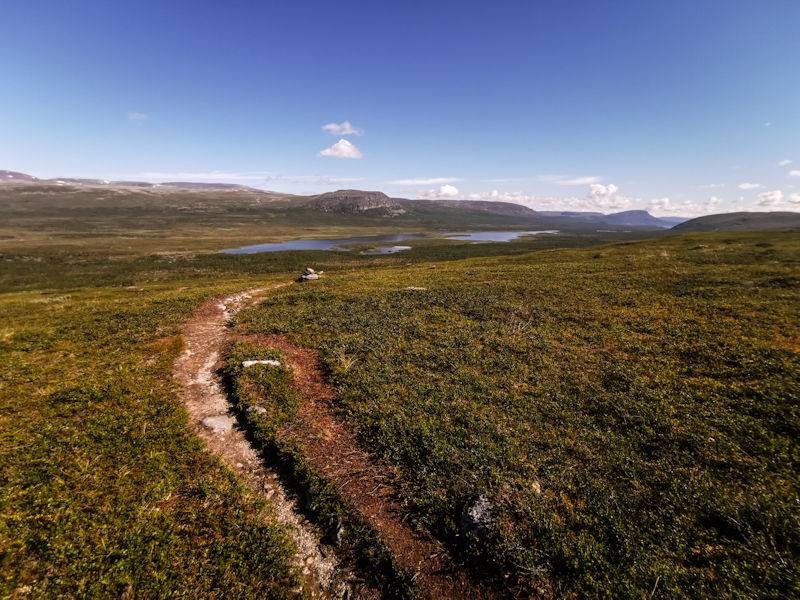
x=630, y=410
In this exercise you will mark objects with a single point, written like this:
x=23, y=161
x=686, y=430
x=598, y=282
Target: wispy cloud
x=783, y=163
x=562, y=180
x=712, y=185
x=423, y=181
x=342, y=129
x=749, y=186
x=580, y=181
x=215, y=175
x=342, y=149
x=794, y=173
x=135, y=116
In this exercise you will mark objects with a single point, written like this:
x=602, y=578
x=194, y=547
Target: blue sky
x=679, y=107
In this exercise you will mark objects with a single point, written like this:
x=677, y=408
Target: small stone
x=333, y=537
x=309, y=497
x=478, y=518
x=218, y=424
x=256, y=409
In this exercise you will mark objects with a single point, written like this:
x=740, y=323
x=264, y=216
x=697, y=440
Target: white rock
x=479, y=518
x=269, y=363
x=219, y=423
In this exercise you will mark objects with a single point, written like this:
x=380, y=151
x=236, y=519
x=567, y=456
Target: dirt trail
x=211, y=418
x=331, y=447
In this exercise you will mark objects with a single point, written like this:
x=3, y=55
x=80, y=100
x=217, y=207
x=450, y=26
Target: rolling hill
x=741, y=221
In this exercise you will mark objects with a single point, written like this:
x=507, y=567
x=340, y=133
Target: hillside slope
x=741, y=221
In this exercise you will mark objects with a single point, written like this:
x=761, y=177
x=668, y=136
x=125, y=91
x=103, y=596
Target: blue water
x=485, y=236
x=494, y=236
x=389, y=250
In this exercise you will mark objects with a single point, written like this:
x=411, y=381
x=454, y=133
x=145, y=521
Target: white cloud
x=794, y=173
x=769, y=198
x=342, y=149
x=775, y=201
x=712, y=185
x=603, y=198
x=662, y=207
x=134, y=116
x=599, y=199
x=423, y=181
x=446, y=191
x=783, y=163
x=748, y=186
x=342, y=129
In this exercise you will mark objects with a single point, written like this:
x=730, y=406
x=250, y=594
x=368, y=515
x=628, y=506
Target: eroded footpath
x=330, y=446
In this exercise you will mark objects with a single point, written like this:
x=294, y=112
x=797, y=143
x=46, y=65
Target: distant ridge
x=441, y=210
x=15, y=176
x=632, y=218
x=741, y=221
x=184, y=185
x=500, y=208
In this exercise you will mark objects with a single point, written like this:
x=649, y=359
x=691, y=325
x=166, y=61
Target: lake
x=484, y=236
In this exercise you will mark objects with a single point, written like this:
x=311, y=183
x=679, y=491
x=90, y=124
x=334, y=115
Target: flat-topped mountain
x=489, y=206
x=352, y=201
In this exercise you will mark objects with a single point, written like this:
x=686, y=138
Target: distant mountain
x=184, y=185
x=352, y=201
x=187, y=185
x=674, y=220
x=13, y=175
x=628, y=218
x=588, y=216
x=358, y=202
x=635, y=218
x=741, y=221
